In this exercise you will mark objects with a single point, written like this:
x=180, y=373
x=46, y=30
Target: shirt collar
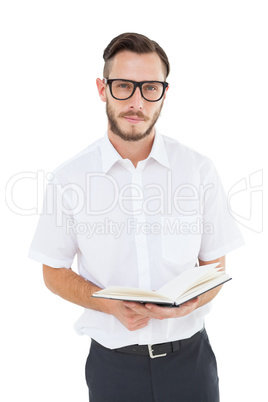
x=159, y=151
x=110, y=155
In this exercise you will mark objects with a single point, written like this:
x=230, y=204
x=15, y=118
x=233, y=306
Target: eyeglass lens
x=152, y=91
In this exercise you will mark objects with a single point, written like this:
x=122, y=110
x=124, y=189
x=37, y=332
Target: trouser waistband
x=157, y=350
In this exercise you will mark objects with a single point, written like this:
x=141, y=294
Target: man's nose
x=136, y=101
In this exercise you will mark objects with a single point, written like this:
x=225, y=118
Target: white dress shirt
x=135, y=227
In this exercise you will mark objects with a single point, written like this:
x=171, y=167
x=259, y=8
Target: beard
x=131, y=135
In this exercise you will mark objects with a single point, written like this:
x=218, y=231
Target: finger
x=190, y=303
x=130, y=305
x=137, y=324
x=138, y=308
x=154, y=308
x=140, y=326
x=158, y=312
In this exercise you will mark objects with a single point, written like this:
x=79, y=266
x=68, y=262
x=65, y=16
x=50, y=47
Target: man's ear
x=165, y=94
x=101, y=89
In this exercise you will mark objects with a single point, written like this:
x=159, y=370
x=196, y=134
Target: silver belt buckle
x=152, y=356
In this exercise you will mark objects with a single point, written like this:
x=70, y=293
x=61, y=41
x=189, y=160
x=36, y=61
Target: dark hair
x=133, y=42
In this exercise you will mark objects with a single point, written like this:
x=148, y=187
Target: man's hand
x=150, y=310
x=72, y=287
x=137, y=315
x=131, y=318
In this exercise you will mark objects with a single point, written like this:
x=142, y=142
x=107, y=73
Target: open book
x=179, y=290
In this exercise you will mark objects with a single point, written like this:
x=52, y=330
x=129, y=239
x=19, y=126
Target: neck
x=135, y=151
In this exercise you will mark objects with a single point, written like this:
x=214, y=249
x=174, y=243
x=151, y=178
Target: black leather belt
x=157, y=350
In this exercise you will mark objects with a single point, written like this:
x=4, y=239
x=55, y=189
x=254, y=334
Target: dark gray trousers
x=188, y=375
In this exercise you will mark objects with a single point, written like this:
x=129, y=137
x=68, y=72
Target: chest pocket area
x=181, y=238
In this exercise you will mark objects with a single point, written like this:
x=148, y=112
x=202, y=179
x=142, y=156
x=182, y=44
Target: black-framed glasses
x=121, y=89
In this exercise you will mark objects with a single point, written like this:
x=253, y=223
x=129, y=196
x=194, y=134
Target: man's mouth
x=134, y=118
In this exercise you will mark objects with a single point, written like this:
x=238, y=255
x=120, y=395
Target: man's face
x=134, y=118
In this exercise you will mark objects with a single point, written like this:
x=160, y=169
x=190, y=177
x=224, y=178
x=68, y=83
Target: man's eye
x=151, y=88
x=123, y=85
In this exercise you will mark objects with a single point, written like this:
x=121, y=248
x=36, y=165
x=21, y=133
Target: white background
x=51, y=54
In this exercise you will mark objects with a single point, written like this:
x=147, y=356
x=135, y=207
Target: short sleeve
x=53, y=243
x=220, y=231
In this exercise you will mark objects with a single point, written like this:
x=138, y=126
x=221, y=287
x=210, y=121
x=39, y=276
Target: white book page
x=204, y=287
x=178, y=285
x=132, y=294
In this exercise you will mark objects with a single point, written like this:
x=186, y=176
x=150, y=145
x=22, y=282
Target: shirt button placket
x=141, y=245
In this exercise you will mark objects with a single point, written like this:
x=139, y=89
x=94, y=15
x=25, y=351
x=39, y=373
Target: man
x=138, y=209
